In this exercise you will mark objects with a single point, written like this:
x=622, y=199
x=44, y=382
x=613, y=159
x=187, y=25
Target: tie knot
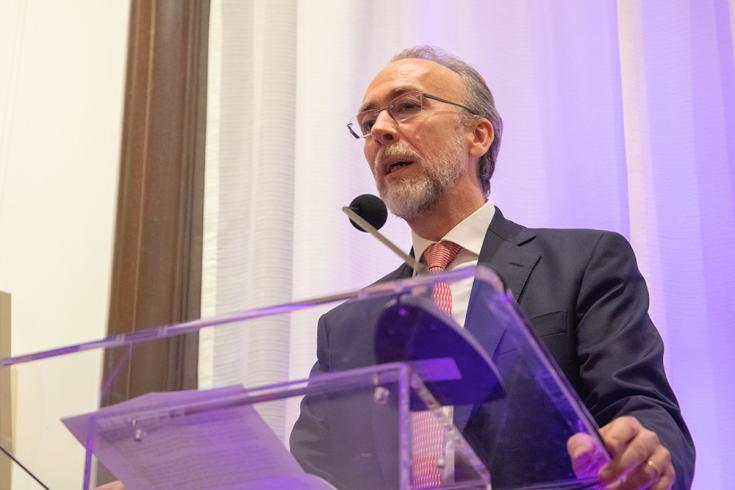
x=439, y=255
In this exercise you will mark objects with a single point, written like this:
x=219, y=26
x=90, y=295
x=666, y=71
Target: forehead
x=412, y=75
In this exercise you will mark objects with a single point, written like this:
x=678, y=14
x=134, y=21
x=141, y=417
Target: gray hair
x=477, y=97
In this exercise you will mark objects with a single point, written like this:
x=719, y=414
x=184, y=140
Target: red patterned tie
x=427, y=431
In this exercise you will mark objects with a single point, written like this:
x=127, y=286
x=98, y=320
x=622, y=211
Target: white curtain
x=618, y=115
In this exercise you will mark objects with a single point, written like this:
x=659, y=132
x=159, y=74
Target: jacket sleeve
x=620, y=352
x=309, y=441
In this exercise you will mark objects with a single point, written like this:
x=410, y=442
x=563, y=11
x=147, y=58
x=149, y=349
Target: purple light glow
x=622, y=116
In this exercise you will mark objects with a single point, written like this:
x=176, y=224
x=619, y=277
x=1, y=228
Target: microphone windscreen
x=370, y=208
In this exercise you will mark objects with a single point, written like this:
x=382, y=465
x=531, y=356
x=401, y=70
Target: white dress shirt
x=469, y=234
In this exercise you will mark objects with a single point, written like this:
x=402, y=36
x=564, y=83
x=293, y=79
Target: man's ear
x=482, y=137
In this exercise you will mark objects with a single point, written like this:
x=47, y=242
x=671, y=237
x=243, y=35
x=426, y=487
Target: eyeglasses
x=401, y=109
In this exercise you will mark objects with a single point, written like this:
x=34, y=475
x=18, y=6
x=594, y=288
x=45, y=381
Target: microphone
x=370, y=208
x=368, y=213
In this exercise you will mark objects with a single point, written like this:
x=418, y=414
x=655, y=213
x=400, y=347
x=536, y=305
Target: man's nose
x=385, y=128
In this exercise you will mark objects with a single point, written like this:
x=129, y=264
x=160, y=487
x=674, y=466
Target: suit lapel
x=503, y=252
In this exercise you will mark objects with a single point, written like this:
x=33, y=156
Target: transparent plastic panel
x=222, y=438
x=504, y=411
x=523, y=437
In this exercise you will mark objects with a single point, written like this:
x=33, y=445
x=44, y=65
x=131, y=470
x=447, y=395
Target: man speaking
x=431, y=136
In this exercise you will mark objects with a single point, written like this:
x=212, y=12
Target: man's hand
x=588, y=455
x=639, y=461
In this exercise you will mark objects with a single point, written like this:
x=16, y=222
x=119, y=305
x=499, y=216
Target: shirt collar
x=468, y=233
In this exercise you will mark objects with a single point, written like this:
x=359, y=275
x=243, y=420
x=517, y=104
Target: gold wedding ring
x=655, y=468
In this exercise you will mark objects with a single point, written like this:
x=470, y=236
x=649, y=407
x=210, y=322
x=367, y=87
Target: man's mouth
x=396, y=165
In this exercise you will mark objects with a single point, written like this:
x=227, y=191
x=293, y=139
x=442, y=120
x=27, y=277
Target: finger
x=620, y=436
x=633, y=456
x=579, y=444
x=651, y=471
x=667, y=480
x=619, y=432
x=586, y=454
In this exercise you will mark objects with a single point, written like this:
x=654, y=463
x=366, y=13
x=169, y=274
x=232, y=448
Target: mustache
x=395, y=152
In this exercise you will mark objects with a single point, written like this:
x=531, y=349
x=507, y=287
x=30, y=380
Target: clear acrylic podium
x=504, y=410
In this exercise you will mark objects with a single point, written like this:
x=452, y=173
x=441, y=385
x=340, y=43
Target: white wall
x=62, y=68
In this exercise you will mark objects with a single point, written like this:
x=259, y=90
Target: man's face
x=430, y=146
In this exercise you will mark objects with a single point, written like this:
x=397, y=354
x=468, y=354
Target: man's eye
x=366, y=125
x=407, y=106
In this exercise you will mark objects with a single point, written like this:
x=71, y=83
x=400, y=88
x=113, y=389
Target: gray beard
x=410, y=197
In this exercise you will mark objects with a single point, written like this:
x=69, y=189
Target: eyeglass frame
x=356, y=134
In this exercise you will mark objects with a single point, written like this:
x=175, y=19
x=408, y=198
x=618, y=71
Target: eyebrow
x=391, y=95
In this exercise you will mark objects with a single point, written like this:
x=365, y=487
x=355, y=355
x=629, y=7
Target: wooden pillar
x=156, y=278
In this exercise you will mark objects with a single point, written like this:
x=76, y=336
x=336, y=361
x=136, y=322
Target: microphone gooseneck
x=368, y=213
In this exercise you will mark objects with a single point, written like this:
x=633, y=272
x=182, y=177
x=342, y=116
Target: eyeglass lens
x=401, y=108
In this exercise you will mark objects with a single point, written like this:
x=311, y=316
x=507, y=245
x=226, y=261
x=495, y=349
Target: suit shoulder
x=552, y=237
x=574, y=250
x=575, y=233
x=403, y=272
x=345, y=312
x=579, y=237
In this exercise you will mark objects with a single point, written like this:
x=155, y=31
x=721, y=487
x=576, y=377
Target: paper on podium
x=178, y=440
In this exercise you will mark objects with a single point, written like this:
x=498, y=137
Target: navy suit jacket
x=586, y=301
